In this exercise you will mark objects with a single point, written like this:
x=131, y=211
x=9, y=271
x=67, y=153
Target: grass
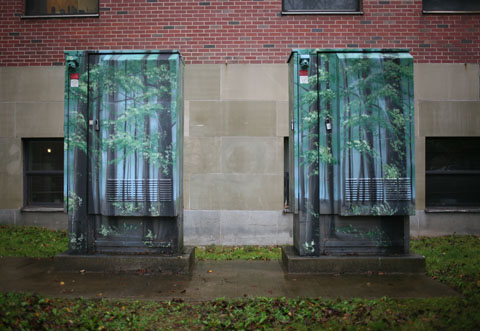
x=454, y=260
x=31, y=241
x=222, y=253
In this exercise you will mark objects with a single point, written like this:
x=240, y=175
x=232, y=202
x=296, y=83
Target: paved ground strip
x=209, y=280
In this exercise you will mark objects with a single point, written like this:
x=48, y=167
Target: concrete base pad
x=181, y=264
x=295, y=264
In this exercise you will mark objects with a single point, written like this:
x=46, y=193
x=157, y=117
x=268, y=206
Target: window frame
x=455, y=172
x=27, y=204
x=25, y=15
x=322, y=12
x=424, y=11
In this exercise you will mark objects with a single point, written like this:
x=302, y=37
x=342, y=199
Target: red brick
x=400, y=24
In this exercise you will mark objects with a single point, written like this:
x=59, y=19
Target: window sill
x=60, y=16
x=42, y=209
x=452, y=210
x=322, y=13
x=451, y=12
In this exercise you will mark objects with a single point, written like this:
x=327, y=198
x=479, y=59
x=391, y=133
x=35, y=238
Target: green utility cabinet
x=352, y=175
x=124, y=151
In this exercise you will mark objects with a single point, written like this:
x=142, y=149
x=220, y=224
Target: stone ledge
x=156, y=264
x=404, y=264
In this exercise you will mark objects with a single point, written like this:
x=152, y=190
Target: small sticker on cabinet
x=303, y=79
x=74, y=79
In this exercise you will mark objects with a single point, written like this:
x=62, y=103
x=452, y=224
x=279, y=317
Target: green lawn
x=454, y=260
x=31, y=241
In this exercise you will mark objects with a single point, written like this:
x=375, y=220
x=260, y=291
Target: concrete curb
x=403, y=264
x=181, y=264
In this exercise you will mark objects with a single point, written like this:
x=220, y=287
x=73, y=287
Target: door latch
x=328, y=124
x=97, y=125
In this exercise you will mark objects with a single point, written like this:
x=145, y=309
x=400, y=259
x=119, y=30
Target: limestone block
x=254, y=82
x=252, y=155
x=32, y=84
x=186, y=118
x=441, y=224
x=420, y=172
x=11, y=194
x=186, y=191
x=251, y=227
x=202, y=227
x=249, y=118
x=7, y=119
x=237, y=227
x=449, y=118
x=206, y=119
x=283, y=122
x=39, y=119
x=236, y=192
x=454, y=81
x=202, y=82
x=10, y=158
x=202, y=155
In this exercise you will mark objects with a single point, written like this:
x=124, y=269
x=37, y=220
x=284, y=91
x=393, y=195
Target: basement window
x=60, y=8
x=452, y=173
x=302, y=7
x=451, y=6
x=43, y=175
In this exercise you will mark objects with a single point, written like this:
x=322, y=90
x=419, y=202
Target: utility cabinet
x=124, y=151
x=351, y=146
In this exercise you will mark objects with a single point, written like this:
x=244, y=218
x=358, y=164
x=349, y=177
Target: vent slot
x=138, y=190
x=378, y=189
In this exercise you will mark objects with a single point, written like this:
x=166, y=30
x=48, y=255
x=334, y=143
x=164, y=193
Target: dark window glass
x=321, y=5
x=451, y=5
x=453, y=172
x=60, y=7
x=43, y=172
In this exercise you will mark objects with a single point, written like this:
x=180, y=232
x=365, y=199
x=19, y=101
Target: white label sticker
x=303, y=79
x=73, y=82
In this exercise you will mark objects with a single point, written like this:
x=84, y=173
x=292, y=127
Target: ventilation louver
x=378, y=189
x=137, y=190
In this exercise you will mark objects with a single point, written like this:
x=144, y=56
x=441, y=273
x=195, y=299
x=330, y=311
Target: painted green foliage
x=134, y=147
x=122, y=135
x=353, y=142
x=367, y=98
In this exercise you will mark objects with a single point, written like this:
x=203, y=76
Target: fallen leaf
x=62, y=283
x=183, y=291
x=100, y=294
x=368, y=284
x=210, y=271
x=381, y=273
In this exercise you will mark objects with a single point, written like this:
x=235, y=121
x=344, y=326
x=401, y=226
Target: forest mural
x=123, y=126
x=353, y=142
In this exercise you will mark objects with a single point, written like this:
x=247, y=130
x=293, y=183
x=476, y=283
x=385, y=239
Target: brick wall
x=237, y=31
